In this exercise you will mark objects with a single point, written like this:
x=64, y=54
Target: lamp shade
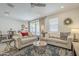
x=75, y=30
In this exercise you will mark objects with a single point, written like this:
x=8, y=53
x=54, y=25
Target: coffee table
x=40, y=46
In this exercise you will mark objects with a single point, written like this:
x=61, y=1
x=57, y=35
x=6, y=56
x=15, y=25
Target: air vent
x=6, y=13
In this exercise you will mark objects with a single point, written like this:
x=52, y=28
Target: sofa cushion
x=54, y=35
x=56, y=40
x=30, y=34
x=24, y=40
x=16, y=36
x=28, y=39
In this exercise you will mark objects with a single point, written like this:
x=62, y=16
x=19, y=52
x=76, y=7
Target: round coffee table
x=40, y=46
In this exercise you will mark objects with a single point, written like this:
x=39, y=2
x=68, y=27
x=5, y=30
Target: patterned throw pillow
x=64, y=35
x=30, y=34
x=24, y=33
x=54, y=35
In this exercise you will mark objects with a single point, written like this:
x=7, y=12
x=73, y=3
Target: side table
x=8, y=43
x=75, y=48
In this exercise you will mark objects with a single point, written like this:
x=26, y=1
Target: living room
x=39, y=29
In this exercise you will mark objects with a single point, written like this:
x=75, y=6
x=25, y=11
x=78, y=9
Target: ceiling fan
x=38, y=4
x=10, y=5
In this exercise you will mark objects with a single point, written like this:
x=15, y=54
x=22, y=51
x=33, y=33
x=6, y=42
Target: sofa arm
x=69, y=42
x=17, y=42
x=70, y=37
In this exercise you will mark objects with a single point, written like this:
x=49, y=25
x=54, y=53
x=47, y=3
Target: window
x=53, y=25
x=34, y=27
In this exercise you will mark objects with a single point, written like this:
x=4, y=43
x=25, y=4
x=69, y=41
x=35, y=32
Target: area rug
x=30, y=51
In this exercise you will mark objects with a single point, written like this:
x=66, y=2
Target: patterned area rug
x=49, y=50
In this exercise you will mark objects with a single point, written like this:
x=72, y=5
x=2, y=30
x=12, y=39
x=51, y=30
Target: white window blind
x=53, y=25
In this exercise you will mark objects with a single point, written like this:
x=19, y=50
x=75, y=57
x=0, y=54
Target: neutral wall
x=73, y=14
x=6, y=23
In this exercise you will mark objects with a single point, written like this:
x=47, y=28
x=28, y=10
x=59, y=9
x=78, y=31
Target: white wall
x=7, y=23
x=73, y=14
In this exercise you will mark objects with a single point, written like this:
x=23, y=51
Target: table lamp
x=43, y=31
x=75, y=31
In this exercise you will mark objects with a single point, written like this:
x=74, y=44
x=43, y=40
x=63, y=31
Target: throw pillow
x=54, y=35
x=64, y=35
x=24, y=33
x=30, y=34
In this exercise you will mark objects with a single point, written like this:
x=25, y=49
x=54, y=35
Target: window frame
x=36, y=20
x=48, y=20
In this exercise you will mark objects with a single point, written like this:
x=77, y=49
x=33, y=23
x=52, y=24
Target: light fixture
x=10, y=5
x=61, y=6
x=75, y=31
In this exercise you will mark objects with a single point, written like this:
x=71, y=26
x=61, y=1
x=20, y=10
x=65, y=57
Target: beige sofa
x=21, y=42
x=57, y=41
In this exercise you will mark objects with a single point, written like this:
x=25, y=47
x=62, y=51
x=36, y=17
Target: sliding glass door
x=34, y=27
x=37, y=28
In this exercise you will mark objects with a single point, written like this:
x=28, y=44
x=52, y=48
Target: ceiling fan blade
x=10, y=5
x=38, y=4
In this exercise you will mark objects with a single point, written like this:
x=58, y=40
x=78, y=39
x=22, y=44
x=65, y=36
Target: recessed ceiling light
x=61, y=6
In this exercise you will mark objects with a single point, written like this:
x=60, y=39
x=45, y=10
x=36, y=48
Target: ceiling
x=24, y=11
